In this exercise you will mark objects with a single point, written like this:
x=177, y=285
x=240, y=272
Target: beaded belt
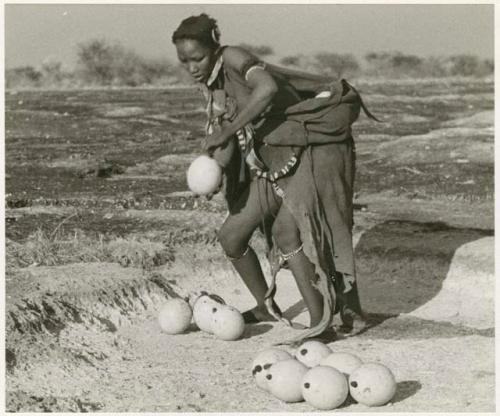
x=245, y=141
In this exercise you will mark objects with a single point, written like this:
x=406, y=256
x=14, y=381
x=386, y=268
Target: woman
x=292, y=180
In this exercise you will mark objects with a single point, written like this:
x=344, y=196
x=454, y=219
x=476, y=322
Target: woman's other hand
x=224, y=154
x=214, y=141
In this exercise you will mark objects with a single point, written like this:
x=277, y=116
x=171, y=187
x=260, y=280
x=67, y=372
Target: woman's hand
x=224, y=154
x=218, y=139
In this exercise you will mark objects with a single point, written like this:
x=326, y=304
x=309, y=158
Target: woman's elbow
x=272, y=89
x=268, y=91
x=263, y=84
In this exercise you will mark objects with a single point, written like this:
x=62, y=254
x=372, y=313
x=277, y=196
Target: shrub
x=25, y=76
x=434, y=67
x=468, y=65
x=337, y=65
x=52, y=71
x=397, y=64
x=102, y=63
x=489, y=66
x=139, y=253
x=303, y=62
x=393, y=64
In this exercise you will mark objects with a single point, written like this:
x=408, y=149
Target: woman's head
x=197, y=40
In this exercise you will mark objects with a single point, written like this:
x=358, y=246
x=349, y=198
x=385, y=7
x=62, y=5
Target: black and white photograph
x=249, y=207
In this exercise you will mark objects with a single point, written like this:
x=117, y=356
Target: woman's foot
x=352, y=323
x=259, y=314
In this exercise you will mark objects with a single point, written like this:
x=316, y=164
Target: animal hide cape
x=314, y=120
x=319, y=193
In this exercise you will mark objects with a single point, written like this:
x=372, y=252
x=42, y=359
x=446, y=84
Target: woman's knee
x=233, y=243
x=286, y=235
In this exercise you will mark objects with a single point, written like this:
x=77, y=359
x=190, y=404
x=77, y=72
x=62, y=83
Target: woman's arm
x=263, y=89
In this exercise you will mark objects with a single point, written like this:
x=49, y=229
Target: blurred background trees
x=337, y=65
x=102, y=63
x=258, y=50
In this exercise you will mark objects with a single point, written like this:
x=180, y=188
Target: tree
x=52, y=71
x=434, y=66
x=400, y=60
x=25, y=76
x=489, y=66
x=95, y=59
x=394, y=64
x=465, y=65
x=103, y=63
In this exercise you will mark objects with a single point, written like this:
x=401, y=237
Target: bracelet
x=288, y=256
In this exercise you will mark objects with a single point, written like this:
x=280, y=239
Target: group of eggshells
x=209, y=312
x=321, y=377
x=313, y=373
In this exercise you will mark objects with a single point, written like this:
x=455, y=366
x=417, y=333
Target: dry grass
x=139, y=253
x=53, y=249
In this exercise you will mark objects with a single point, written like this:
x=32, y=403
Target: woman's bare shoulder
x=237, y=57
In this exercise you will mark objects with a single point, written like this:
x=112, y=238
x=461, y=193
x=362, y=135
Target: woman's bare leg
x=255, y=205
x=287, y=237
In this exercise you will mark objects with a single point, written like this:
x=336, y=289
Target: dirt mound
x=62, y=325
x=46, y=299
x=481, y=119
x=441, y=145
x=82, y=325
x=124, y=112
x=467, y=296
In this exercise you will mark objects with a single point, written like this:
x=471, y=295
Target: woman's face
x=196, y=58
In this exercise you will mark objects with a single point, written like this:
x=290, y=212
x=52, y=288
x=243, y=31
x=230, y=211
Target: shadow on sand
x=406, y=389
x=256, y=329
x=401, y=265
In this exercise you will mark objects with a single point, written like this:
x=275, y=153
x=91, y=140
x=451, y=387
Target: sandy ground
x=84, y=336
x=100, y=348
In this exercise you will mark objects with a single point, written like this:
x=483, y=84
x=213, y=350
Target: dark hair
x=201, y=28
